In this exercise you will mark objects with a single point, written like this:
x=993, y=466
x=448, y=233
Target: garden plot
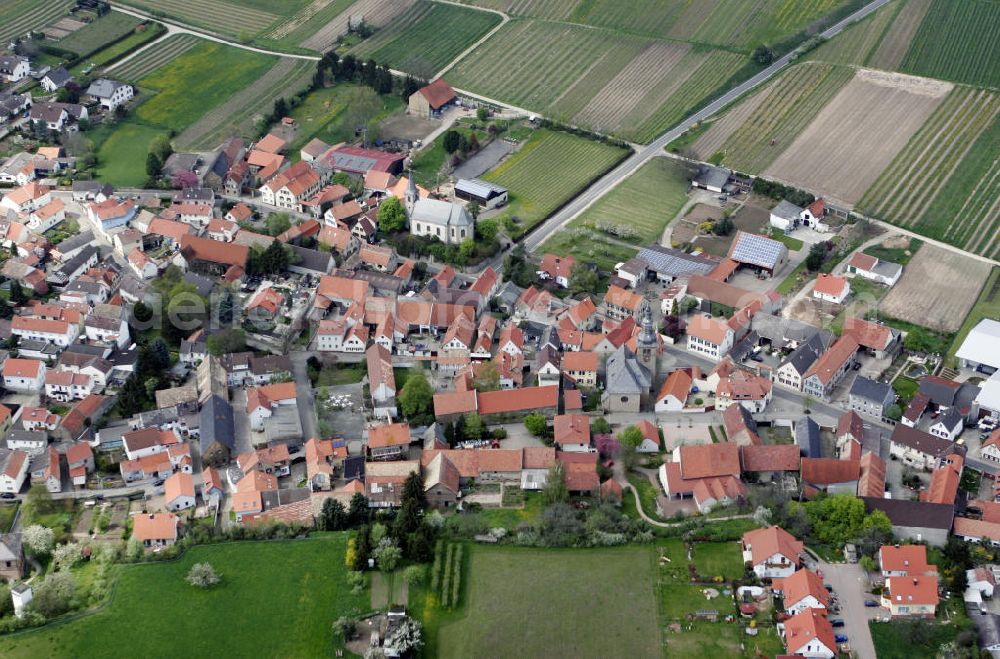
x=855, y=137
x=377, y=13
x=99, y=33
x=937, y=289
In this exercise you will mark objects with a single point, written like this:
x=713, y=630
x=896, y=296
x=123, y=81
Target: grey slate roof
x=674, y=262
x=873, y=390
x=217, y=424
x=10, y=547
x=939, y=393
x=441, y=213
x=76, y=242
x=59, y=76
x=757, y=250
x=311, y=260
x=786, y=210
x=914, y=514
x=625, y=375
x=479, y=188
x=807, y=436
x=712, y=176
x=103, y=87
x=950, y=418
x=805, y=355
x=780, y=330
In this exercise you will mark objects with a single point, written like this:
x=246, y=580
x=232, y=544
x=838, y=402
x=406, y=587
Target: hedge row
x=436, y=568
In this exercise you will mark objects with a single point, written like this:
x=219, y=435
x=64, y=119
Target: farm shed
x=713, y=179
x=978, y=350
x=668, y=264
x=758, y=252
x=785, y=216
x=428, y=101
x=484, y=193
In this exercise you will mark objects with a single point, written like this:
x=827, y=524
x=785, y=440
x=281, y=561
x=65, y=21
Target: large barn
x=758, y=252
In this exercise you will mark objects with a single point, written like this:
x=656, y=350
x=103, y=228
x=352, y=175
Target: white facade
x=14, y=482
x=714, y=351
x=835, y=298
x=181, y=502
x=26, y=383
x=62, y=339
x=776, y=566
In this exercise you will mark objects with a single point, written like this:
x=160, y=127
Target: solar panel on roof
x=675, y=263
x=757, y=250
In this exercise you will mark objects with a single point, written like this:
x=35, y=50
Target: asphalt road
x=848, y=583
x=655, y=148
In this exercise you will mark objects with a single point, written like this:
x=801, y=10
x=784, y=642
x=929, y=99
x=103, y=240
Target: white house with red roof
x=13, y=470
x=809, y=634
x=812, y=216
x=772, y=552
x=802, y=590
x=572, y=432
x=831, y=288
x=556, y=268
x=24, y=375
x=57, y=332
x=155, y=530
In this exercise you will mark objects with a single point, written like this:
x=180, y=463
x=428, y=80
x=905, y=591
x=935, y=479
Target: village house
x=831, y=288
x=874, y=269
x=12, y=561
x=430, y=100
x=621, y=304
x=707, y=473
x=388, y=442
x=772, y=552
x=80, y=460
x=13, y=469
x=809, y=634
x=871, y=397
x=920, y=449
x=712, y=337
x=803, y=590
x=384, y=481
x=556, y=268
x=827, y=372
x=156, y=529
x=178, y=492
x=572, y=432
x=110, y=93
x=23, y=375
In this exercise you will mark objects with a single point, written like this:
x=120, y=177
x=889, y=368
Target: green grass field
x=548, y=170
x=644, y=203
x=987, y=306
x=532, y=602
x=179, y=93
x=429, y=162
x=106, y=29
x=894, y=254
x=892, y=643
x=427, y=37
x=958, y=41
x=279, y=598
x=121, y=153
x=187, y=87
x=324, y=114
x=790, y=105
x=961, y=130
x=18, y=17
x=718, y=559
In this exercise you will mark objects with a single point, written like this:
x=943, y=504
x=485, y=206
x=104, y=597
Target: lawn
x=281, y=596
x=104, y=30
x=426, y=37
x=647, y=494
x=679, y=600
x=718, y=559
x=331, y=376
x=892, y=640
x=324, y=113
x=121, y=153
x=639, y=208
x=428, y=163
x=551, y=168
x=7, y=512
x=511, y=518
x=197, y=81
x=987, y=306
x=793, y=244
x=898, y=255
x=537, y=602
x=905, y=389
x=589, y=247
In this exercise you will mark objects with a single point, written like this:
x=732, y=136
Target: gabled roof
x=770, y=457
x=394, y=434
x=159, y=526
x=518, y=400
x=807, y=626
x=830, y=362
x=912, y=590
x=802, y=584
x=756, y=250
x=765, y=543
x=872, y=480
x=944, y=482
x=437, y=93
x=571, y=429
x=708, y=460
x=829, y=471
x=206, y=249
x=905, y=558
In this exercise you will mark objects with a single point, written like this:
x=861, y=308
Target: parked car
x=158, y=482
x=828, y=587
x=871, y=603
x=7, y=495
x=840, y=638
x=836, y=622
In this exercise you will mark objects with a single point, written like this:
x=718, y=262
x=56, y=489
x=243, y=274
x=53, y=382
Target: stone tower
x=411, y=192
x=646, y=346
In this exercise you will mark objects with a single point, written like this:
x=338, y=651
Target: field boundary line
x=176, y=27
x=504, y=19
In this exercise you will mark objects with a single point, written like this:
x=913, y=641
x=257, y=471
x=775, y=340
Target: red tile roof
x=159, y=526
x=518, y=400
x=454, y=402
x=709, y=460
x=905, y=558
x=770, y=457
x=393, y=434
x=872, y=480
x=810, y=624
x=828, y=471
x=912, y=590
x=571, y=429
x=206, y=249
x=772, y=540
x=439, y=93
x=801, y=585
x=944, y=482
x=830, y=285
x=830, y=362
x=580, y=470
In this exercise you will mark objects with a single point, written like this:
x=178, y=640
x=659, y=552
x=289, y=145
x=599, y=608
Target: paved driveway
x=850, y=586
